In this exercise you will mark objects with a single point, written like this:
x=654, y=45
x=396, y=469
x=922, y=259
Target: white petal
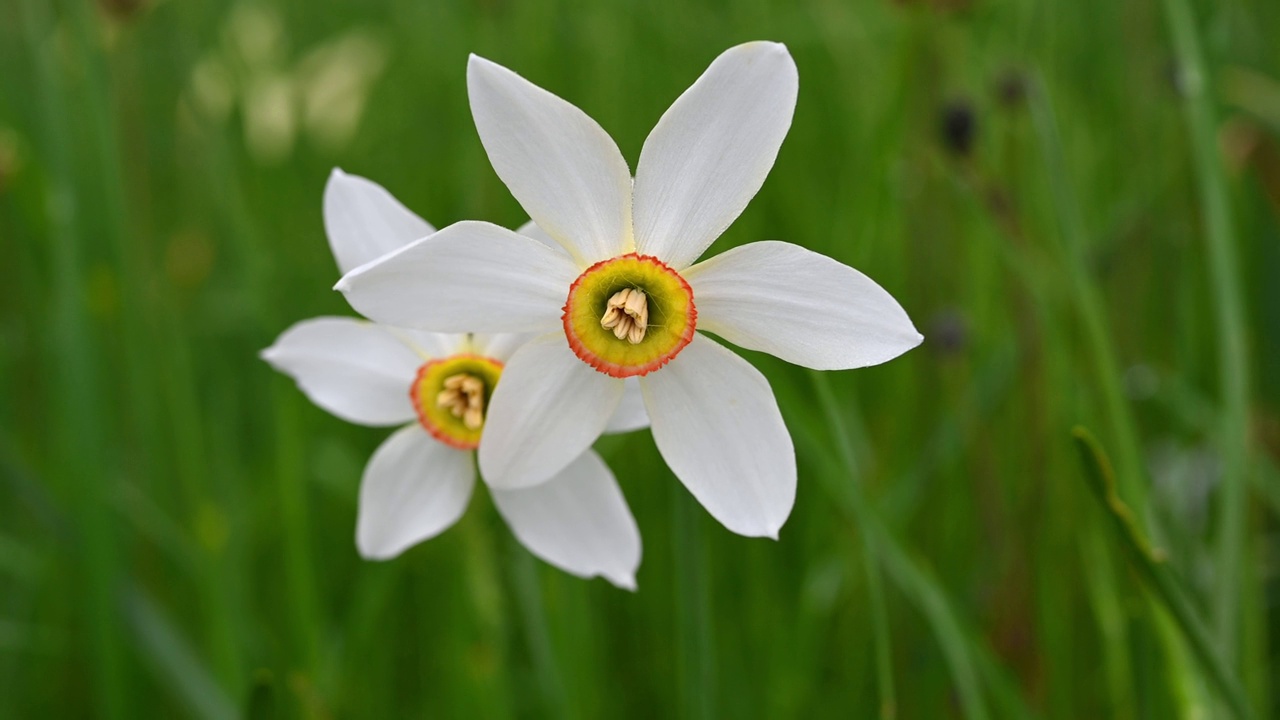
x=561, y=166
x=717, y=425
x=413, y=489
x=531, y=229
x=499, y=346
x=548, y=408
x=469, y=277
x=359, y=371
x=365, y=222
x=800, y=306
x=709, y=154
x=429, y=345
x=630, y=414
x=578, y=521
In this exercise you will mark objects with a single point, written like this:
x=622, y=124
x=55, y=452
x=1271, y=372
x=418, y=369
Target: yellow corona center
x=452, y=395
x=629, y=315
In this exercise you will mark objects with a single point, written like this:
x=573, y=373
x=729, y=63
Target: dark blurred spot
x=261, y=704
x=122, y=9
x=1011, y=89
x=959, y=126
x=948, y=332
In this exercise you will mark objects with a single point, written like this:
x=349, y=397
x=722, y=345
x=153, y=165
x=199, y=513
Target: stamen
x=627, y=314
x=463, y=397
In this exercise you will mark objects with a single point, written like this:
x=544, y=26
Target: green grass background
x=177, y=521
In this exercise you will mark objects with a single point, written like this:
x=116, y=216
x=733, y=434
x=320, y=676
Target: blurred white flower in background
x=322, y=94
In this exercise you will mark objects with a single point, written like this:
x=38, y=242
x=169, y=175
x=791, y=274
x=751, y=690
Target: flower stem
x=696, y=662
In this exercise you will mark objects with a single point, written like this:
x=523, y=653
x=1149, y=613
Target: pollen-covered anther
x=463, y=397
x=627, y=314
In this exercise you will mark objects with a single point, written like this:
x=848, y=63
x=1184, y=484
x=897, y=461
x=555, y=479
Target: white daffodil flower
x=439, y=387
x=626, y=301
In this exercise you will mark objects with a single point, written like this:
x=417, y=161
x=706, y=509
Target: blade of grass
x=916, y=583
x=80, y=415
x=875, y=587
x=533, y=612
x=696, y=660
x=1224, y=281
x=1086, y=299
x=174, y=661
x=1155, y=573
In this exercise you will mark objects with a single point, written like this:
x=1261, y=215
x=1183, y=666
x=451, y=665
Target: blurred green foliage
x=1077, y=203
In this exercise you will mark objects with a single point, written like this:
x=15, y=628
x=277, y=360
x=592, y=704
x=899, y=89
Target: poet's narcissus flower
x=439, y=387
x=627, y=299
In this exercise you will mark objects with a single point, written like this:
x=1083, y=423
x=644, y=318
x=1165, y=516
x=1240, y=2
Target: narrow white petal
x=577, y=521
x=468, y=277
x=561, y=166
x=711, y=151
x=630, y=414
x=717, y=425
x=413, y=489
x=548, y=408
x=499, y=346
x=429, y=345
x=531, y=229
x=800, y=306
x=359, y=371
x=365, y=222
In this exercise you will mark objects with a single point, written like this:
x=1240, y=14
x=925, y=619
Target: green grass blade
x=1225, y=287
x=174, y=661
x=1155, y=573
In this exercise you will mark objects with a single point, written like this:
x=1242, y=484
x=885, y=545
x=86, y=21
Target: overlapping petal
x=800, y=306
x=711, y=151
x=630, y=414
x=364, y=221
x=499, y=346
x=548, y=408
x=717, y=425
x=578, y=521
x=356, y=370
x=531, y=229
x=414, y=488
x=468, y=277
x=561, y=166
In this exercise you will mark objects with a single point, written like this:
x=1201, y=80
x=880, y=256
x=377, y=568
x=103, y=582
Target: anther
x=463, y=397
x=627, y=314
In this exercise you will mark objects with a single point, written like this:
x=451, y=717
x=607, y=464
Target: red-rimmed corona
x=451, y=396
x=629, y=315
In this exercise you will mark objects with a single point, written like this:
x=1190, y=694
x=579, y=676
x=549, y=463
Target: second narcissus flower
x=439, y=388
x=627, y=298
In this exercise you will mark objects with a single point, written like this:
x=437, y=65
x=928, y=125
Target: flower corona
x=618, y=293
x=451, y=395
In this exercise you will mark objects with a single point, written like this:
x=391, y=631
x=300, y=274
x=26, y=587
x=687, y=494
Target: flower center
x=463, y=397
x=629, y=315
x=451, y=395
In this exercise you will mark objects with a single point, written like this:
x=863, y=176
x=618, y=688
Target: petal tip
x=371, y=552
x=625, y=582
